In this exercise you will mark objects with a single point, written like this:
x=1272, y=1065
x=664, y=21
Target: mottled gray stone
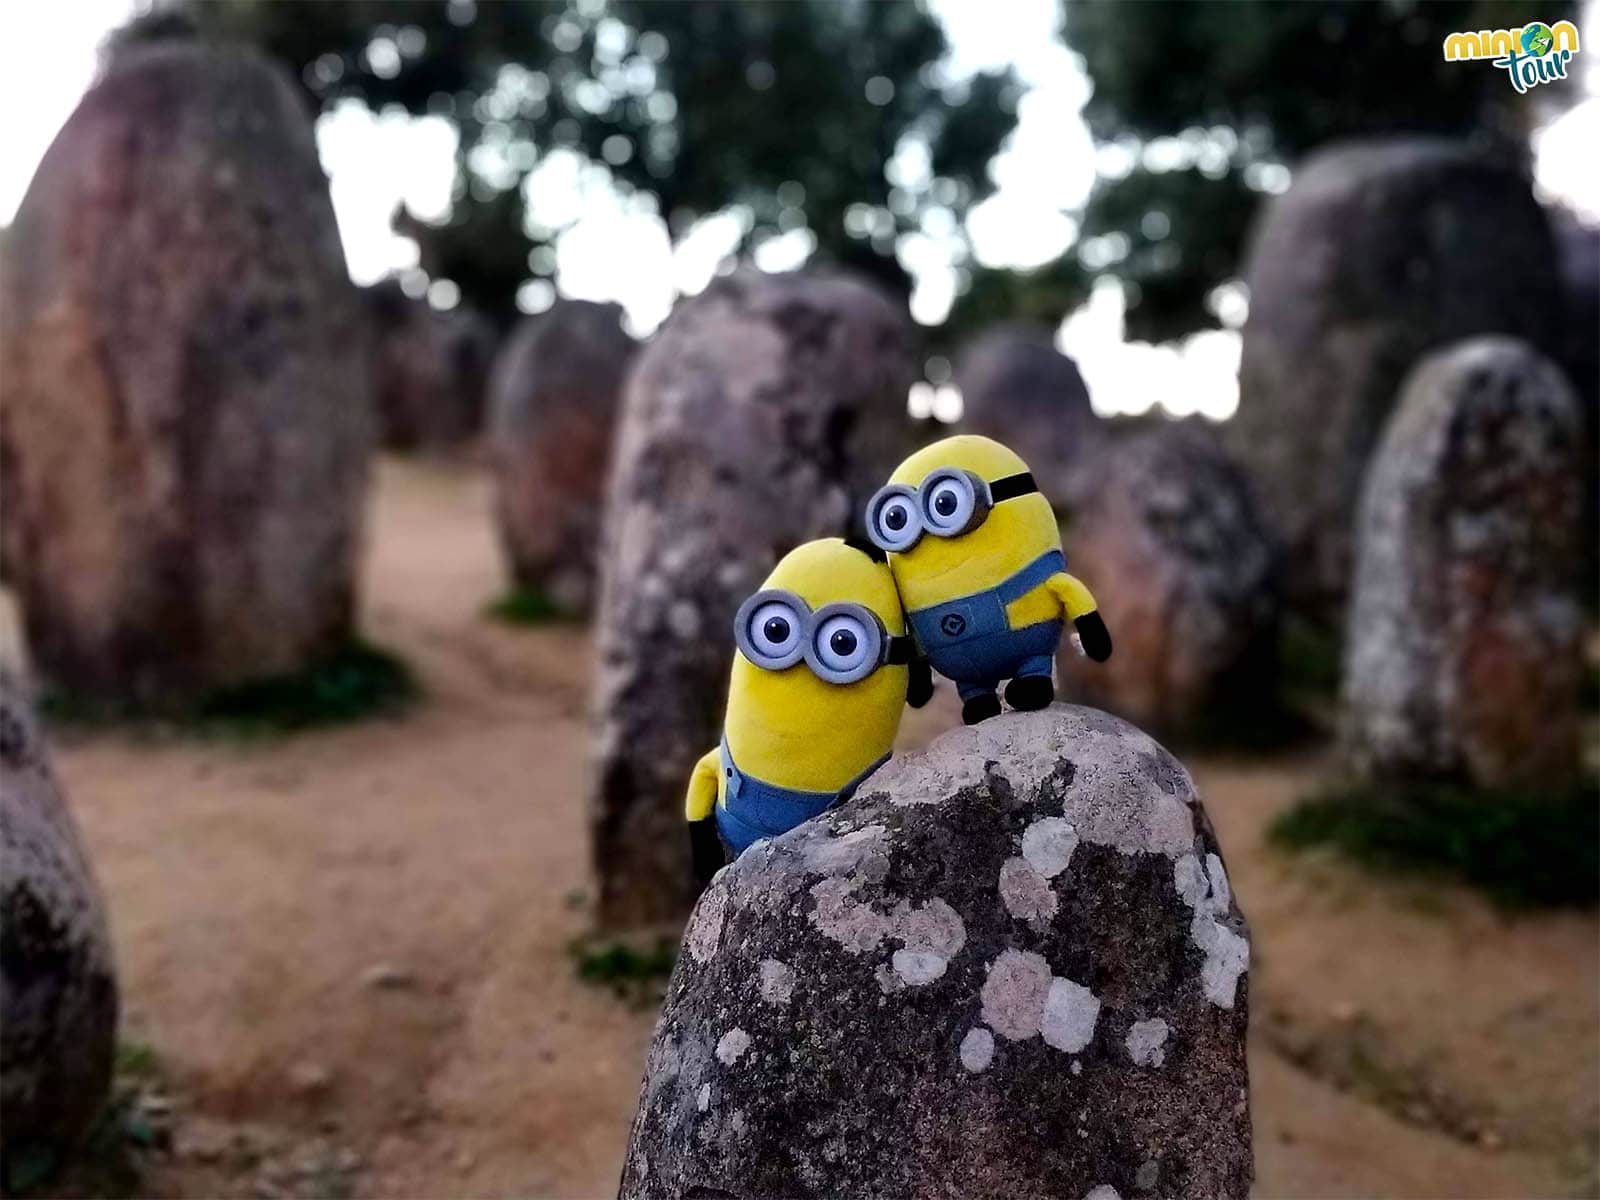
x=1463, y=652
x=552, y=420
x=429, y=370
x=1102, y=1049
x=762, y=415
x=1017, y=388
x=1379, y=252
x=187, y=409
x=1173, y=544
x=58, y=992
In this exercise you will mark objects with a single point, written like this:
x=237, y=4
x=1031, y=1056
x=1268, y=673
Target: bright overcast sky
x=614, y=252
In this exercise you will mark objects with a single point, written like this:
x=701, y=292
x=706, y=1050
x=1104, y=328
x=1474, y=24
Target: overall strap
x=1031, y=576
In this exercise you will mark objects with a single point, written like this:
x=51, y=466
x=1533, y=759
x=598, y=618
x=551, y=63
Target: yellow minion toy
x=976, y=553
x=823, y=671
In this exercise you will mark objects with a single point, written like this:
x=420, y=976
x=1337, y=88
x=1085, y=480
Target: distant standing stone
x=1463, y=649
x=762, y=415
x=430, y=370
x=187, y=407
x=1017, y=388
x=1185, y=569
x=553, y=411
x=58, y=991
x=1379, y=252
x=937, y=1042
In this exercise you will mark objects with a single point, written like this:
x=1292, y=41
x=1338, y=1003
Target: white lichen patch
x=841, y=917
x=977, y=1049
x=1104, y=1192
x=1070, y=1014
x=888, y=981
x=1048, y=844
x=702, y=1100
x=705, y=925
x=847, y=853
x=1147, y=1041
x=775, y=981
x=932, y=926
x=731, y=1045
x=1026, y=893
x=683, y=619
x=916, y=967
x=1014, y=994
x=1206, y=891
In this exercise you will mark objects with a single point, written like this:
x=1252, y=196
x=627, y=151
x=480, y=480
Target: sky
x=613, y=250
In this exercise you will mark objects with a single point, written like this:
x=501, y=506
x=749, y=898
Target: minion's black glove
x=1093, y=635
x=706, y=848
x=919, y=690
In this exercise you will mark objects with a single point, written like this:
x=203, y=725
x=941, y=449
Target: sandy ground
x=349, y=950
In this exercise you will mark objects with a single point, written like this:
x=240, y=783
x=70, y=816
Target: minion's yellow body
x=789, y=733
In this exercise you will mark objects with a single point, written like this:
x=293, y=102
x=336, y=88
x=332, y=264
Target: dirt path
x=348, y=950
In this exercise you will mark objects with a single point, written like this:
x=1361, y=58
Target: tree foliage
x=790, y=110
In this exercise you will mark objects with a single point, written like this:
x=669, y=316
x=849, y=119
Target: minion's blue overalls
x=753, y=808
x=969, y=640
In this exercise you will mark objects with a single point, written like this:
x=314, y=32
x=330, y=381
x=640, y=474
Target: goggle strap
x=902, y=650
x=1012, y=486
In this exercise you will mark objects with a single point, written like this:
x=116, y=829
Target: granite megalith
x=761, y=415
x=58, y=990
x=554, y=394
x=1463, y=650
x=1011, y=965
x=430, y=370
x=187, y=406
x=1379, y=252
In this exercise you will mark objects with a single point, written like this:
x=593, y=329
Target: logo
x=1534, y=54
x=952, y=624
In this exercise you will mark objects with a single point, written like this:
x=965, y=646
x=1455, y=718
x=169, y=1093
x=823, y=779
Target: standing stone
x=1012, y=966
x=1378, y=253
x=1170, y=539
x=1462, y=656
x=58, y=992
x=429, y=370
x=553, y=408
x=1017, y=388
x=186, y=386
x=762, y=415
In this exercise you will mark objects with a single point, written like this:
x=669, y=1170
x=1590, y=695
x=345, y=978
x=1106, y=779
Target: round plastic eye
x=893, y=520
x=774, y=631
x=950, y=504
x=843, y=645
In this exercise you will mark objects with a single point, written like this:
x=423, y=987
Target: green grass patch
x=1311, y=658
x=1528, y=848
x=527, y=606
x=137, y=1060
x=634, y=972
x=356, y=681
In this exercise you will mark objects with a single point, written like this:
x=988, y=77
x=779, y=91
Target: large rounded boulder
x=187, y=411
x=1011, y=965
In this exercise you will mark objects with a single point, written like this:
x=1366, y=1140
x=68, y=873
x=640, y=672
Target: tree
x=791, y=110
x=1211, y=102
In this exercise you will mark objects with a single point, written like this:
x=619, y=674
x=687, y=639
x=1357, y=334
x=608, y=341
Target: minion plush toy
x=976, y=554
x=823, y=670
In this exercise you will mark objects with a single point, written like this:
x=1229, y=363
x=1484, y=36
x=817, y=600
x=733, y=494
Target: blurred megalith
x=186, y=386
x=1017, y=388
x=1379, y=251
x=58, y=991
x=1011, y=966
x=429, y=370
x=554, y=395
x=762, y=415
x=1463, y=651
x=1169, y=536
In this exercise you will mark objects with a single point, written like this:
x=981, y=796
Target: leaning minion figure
x=976, y=553
x=823, y=671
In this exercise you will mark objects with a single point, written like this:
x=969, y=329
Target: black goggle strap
x=901, y=651
x=1012, y=486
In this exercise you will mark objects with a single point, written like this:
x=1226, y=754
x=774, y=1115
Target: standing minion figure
x=976, y=554
x=823, y=671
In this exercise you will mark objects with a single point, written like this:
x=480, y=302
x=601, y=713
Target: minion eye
x=892, y=521
x=774, y=630
x=846, y=646
x=949, y=505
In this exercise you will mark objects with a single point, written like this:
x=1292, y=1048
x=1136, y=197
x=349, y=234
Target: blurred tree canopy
x=835, y=117
x=1202, y=107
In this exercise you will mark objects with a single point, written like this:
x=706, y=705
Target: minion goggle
x=841, y=643
x=947, y=504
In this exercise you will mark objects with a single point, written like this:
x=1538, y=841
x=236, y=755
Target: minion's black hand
x=920, y=688
x=706, y=848
x=1094, y=636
